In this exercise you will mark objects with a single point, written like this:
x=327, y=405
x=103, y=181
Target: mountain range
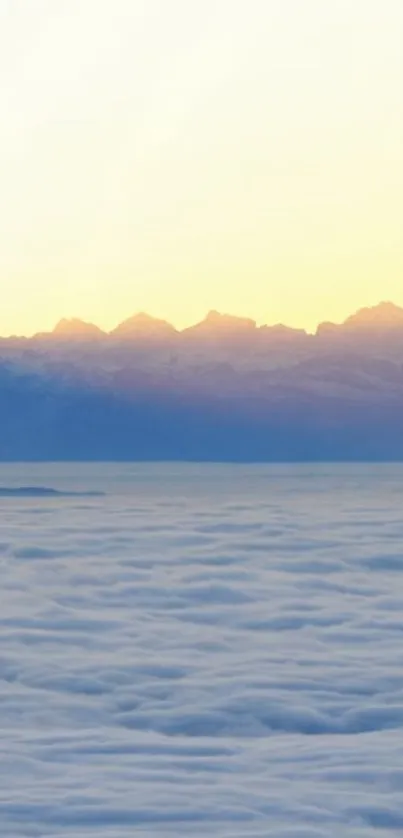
x=223, y=389
x=384, y=317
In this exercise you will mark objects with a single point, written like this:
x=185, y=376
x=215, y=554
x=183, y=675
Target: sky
x=173, y=157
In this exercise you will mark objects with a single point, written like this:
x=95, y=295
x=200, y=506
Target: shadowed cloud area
x=40, y=492
x=222, y=390
x=204, y=650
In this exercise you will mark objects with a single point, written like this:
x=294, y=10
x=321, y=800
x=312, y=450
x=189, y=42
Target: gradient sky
x=244, y=155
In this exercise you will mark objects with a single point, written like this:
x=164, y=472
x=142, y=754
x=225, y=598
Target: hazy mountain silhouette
x=221, y=327
x=223, y=389
x=216, y=327
x=384, y=316
x=75, y=329
x=142, y=326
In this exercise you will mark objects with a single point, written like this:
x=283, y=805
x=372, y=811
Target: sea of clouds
x=201, y=650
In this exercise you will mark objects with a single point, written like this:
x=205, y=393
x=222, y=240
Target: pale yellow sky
x=181, y=155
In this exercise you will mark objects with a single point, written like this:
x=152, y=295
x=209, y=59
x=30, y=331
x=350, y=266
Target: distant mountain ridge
x=386, y=316
x=143, y=325
x=224, y=389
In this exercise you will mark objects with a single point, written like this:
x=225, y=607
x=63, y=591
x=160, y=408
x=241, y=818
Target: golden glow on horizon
x=243, y=155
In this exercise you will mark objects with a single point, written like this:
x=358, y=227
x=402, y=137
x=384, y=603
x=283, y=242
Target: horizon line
x=211, y=315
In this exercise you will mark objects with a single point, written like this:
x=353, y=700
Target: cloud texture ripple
x=212, y=650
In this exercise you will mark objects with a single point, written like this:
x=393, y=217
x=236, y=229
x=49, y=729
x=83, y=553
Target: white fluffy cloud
x=205, y=650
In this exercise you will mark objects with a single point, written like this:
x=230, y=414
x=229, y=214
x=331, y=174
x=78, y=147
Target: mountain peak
x=385, y=315
x=143, y=325
x=229, y=321
x=76, y=328
x=220, y=323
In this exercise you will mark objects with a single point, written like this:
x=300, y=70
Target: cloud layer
x=202, y=649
